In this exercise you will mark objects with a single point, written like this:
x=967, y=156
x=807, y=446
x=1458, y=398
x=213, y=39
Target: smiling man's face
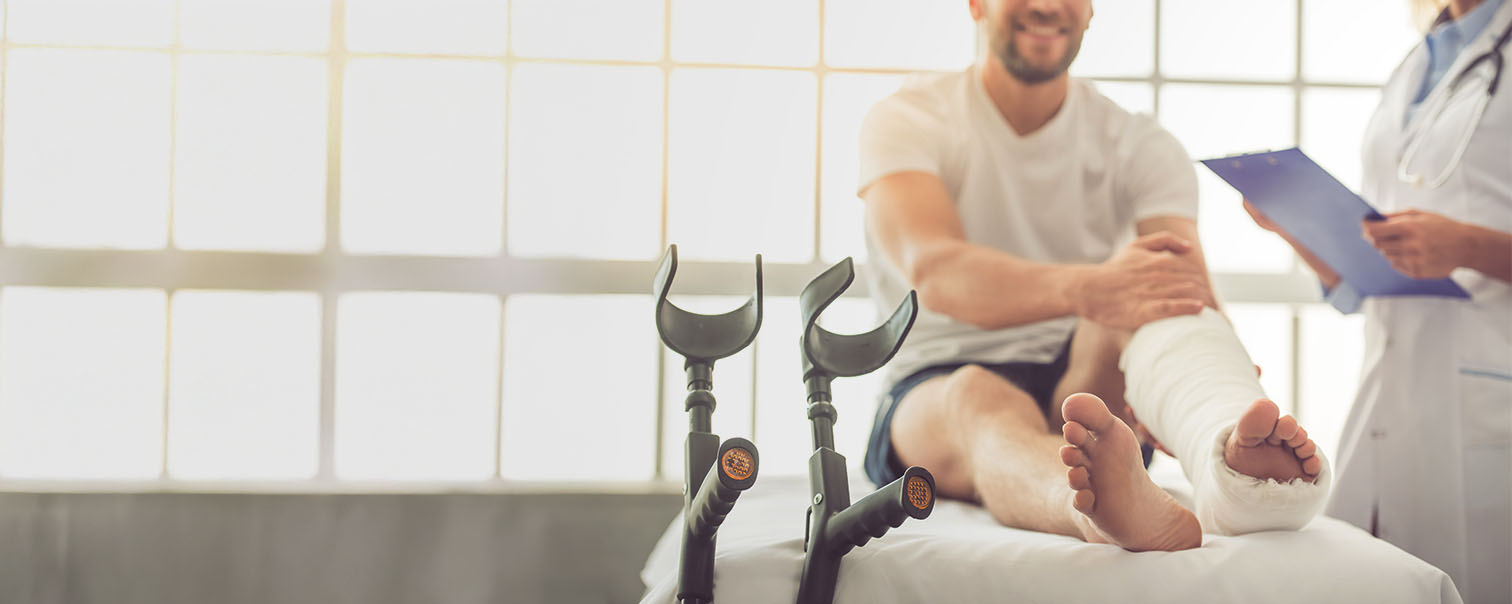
x=1035, y=39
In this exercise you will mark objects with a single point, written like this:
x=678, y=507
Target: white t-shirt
x=1070, y=192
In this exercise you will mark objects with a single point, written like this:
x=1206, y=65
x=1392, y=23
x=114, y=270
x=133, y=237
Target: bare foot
x=1116, y=501
x=1266, y=444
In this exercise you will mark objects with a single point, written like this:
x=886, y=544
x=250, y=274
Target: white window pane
x=1120, y=40
x=81, y=383
x=583, y=366
x=742, y=164
x=280, y=25
x=585, y=167
x=417, y=379
x=899, y=34
x=1333, y=129
x=782, y=428
x=463, y=27
x=771, y=32
x=1229, y=39
x=244, y=385
x=1355, y=40
x=1266, y=331
x=86, y=148
x=1213, y=121
x=91, y=22
x=1231, y=241
x=250, y=160
x=847, y=97
x=1134, y=97
x=423, y=157
x=625, y=30
x=732, y=389
x=1332, y=350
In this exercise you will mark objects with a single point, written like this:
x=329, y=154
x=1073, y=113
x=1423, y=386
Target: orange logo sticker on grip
x=919, y=494
x=737, y=463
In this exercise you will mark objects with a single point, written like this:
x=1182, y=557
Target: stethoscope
x=1436, y=109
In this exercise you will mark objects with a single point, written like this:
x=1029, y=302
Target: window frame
x=331, y=272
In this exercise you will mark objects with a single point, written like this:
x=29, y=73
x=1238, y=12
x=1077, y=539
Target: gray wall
x=173, y=548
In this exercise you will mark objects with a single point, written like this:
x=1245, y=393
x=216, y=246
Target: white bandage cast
x=1188, y=380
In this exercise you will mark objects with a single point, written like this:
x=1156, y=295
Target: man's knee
x=938, y=422
x=947, y=410
x=973, y=394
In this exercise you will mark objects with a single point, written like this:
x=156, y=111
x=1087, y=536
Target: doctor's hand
x=1264, y=222
x=1155, y=277
x=1419, y=244
x=1325, y=273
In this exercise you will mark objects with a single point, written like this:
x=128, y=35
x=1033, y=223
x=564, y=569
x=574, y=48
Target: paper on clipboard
x=1324, y=215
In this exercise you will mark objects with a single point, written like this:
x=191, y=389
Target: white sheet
x=960, y=554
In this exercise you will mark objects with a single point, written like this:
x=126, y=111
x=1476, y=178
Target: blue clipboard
x=1324, y=215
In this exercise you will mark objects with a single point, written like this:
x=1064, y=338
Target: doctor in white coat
x=1425, y=461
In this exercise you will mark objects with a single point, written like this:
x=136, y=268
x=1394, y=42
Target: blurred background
x=348, y=300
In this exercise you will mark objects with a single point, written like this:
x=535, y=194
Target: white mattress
x=960, y=554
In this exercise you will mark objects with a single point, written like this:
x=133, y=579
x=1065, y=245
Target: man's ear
x=977, y=9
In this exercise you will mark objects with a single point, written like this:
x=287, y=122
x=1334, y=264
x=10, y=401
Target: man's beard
x=1020, y=67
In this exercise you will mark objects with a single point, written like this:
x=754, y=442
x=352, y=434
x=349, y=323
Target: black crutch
x=709, y=489
x=835, y=526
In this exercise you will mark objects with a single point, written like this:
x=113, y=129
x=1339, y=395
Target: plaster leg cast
x=1194, y=388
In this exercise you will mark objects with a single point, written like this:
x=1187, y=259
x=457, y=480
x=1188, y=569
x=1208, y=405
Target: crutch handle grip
x=733, y=471
x=910, y=496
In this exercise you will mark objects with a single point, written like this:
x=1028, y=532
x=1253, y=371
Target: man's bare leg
x=1118, y=501
x=1093, y=368
x=986, y=440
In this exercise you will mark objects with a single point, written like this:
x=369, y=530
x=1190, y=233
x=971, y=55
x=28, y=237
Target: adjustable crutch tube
x=714, y=474
x=835, y=526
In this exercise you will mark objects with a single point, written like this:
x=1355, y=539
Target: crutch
x=834, y=525
x=709, y=489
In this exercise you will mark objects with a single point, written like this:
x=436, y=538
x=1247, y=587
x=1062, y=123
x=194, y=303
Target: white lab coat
x=1425, y=455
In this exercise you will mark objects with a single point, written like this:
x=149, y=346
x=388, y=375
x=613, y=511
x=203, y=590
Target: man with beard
x=1052, y=239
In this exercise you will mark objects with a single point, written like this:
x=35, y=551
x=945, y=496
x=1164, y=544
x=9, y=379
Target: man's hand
x=1421, y=245
x=1151, y=279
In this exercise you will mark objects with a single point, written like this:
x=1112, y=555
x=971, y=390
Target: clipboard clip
x=1235, y=161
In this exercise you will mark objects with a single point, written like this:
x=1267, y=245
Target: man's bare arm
x=917, y=226
x=1186, y=229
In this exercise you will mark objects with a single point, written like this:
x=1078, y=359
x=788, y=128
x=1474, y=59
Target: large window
x=327, y=241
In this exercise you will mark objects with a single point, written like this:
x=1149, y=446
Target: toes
x=1087, y=410
x=1084, y=501
x=1308, y=449
x=1298, y=440
x=1078, y=478
x=1286, y=428
x=1257, y=423
x=1076, y=434
x=1074, y=456
x=1312, y=465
